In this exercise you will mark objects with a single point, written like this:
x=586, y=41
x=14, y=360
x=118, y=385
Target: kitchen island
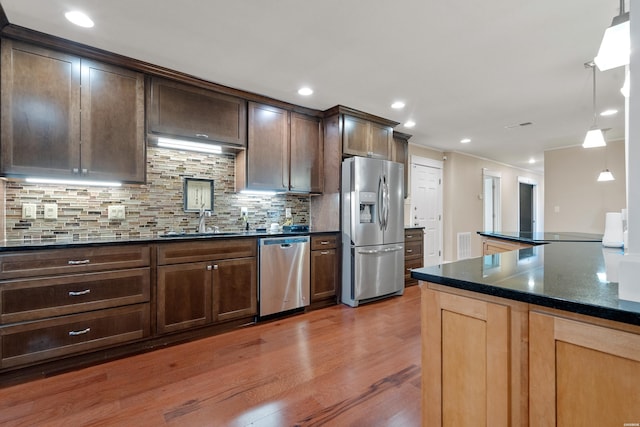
x=536, y=336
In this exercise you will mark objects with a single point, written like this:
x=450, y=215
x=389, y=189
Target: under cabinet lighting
x=258, y=193
x=78, y=182
x=179, y=144
x=79, y=18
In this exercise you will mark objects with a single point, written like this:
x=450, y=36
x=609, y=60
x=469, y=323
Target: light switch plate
x=287, y=213
x=50, y=211
x=116, y=212
x=29, y=211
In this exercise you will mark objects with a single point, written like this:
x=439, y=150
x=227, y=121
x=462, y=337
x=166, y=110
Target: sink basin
x=196, y=234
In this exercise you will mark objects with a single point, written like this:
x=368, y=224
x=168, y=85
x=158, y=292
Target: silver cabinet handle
x=215, y=267
x=324, y=252
x=409, y=236
x=79, y=262
x=78, y=293
x=409, y=251
x=75, y=170
x=202, y=135
x=324, y=242
x=212, y=267
x=82, y=332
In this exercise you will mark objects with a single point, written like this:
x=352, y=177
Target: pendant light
x=616, y=43
x=606, y=174
x=594, y=137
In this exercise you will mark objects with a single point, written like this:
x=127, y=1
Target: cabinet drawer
x=69, y=261
x=413, y=249
x=45, y=339
x=413, y=235
x=325, y=241
x=176, y=253
x=30, y=299
x=410, y=264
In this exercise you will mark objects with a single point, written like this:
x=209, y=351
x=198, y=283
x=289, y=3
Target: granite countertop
x=67, y=241
x=542, y=238
x=576, y=277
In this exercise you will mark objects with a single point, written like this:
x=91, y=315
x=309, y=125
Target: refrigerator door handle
x=387, y=200
x=368, y=251
x=396, y=249
x=381, y=202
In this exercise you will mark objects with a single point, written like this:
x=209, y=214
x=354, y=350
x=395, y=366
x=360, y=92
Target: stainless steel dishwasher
x=284, y=273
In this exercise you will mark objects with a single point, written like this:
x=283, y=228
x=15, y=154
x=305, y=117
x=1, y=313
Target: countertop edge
x=618, y=315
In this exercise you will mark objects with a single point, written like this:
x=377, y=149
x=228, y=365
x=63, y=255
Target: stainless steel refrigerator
x=372, y=229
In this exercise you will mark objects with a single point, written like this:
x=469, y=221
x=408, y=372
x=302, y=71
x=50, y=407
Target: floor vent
x=464, y=245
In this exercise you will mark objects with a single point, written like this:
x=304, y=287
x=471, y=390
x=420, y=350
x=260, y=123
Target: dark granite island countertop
x=576, y=277
x=542, y=237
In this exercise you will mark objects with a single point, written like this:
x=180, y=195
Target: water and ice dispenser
x=368, y=204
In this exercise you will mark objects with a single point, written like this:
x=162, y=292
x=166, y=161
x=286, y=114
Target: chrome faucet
x=202, y=227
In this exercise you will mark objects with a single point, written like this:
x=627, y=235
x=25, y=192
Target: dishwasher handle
x=285, y=245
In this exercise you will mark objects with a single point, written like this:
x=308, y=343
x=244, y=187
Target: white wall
x=574, y=199
x=463, y=205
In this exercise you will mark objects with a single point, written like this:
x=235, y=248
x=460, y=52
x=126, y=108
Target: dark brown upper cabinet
x=284, y=151
x=400, y=154
x=64, y=116
x=366, y=138
x=184, y=111
x=306, y=154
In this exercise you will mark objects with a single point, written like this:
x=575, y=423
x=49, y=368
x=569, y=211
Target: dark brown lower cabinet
x=324, y=267
x=184, y=296
x=235, y=289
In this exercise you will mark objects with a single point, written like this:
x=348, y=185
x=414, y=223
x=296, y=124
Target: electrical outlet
x=287, y=213
x=116, y=212
x=244, y=212
x=50, y=211
x=29, y=211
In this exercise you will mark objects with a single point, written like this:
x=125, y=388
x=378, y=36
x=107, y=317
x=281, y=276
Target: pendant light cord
x=593, y=68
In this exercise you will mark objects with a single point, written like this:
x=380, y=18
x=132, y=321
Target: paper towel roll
x=613, y=236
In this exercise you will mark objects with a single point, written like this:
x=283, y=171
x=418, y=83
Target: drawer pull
x=324, y=242
x=78, y=293
x=409, y=236
x=324, y=253
x=409, y=251
x=79, y=262
x=82, y=332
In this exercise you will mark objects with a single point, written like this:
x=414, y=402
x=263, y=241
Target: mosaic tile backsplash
x=153, y=208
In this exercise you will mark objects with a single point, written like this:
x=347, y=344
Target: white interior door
x=426, y=206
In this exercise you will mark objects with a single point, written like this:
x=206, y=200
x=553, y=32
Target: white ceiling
x=465, y=68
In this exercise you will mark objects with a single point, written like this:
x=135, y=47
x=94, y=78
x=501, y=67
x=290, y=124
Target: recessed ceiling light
x=79, y=18
x=465, y=140
x=409, y=124
x=305, y=91
x=398, y=105
x=532, y=161
x=609, y=112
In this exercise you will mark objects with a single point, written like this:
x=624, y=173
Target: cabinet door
x=113, y=143
x=582, y=374
x=40, y=110
x=400, y=154
x=235, y=291
x=380, y=141
x=184, y=296
x=187, y=111
x=268, y=148
x=355, y=136
x=324, y=274
x=465, y=361
x=306, y=154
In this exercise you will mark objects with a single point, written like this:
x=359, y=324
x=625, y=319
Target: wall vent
x=464, y=245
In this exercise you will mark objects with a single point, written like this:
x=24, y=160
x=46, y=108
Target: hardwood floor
x=336, y=366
